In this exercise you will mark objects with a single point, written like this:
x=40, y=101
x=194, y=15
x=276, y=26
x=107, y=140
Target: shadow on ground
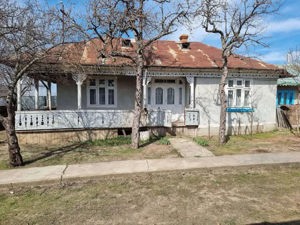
x=51, y=153
x=295, y=222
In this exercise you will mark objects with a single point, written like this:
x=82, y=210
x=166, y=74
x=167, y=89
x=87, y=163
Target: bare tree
x=27, y=33
x=115, y=21
x=237, y=22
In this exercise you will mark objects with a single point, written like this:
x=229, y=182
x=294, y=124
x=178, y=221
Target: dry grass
x=88, y=152
x=276, y=141
x=220, y=196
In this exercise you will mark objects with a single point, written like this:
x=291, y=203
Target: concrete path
x=59, y=173
x=187, y=148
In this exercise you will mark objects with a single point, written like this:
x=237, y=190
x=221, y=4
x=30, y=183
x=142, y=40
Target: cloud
x=274, y=57
x=292, y=24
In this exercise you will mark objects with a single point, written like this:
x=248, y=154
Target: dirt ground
x=271, y=142
x=34, y=155
x=43, y=155
x=245, y=195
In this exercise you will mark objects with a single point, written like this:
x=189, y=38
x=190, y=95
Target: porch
x=88, y=119
x=106, y=101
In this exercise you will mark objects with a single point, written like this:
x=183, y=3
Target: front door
x=167, y=94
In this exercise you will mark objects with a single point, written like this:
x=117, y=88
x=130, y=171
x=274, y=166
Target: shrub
x=164, y=141
x=201, y=141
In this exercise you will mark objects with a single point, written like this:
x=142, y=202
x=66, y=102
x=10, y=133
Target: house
x=95, y=95
x=288, y=89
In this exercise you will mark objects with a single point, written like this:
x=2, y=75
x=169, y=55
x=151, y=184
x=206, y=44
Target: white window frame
x=165, y=84
x=107, y=88
x=236, y=87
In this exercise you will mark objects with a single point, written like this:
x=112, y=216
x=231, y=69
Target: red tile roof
x=164, y=54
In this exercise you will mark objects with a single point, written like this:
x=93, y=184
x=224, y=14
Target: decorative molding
x=79, y=78
x=190, y=79
x=129, y=72
x=146, y=80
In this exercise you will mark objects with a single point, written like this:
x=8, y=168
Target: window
x=180, y=96
x=159, y=93
x=285, y=97
x=230, y=98
x=170, y=96
x=165, y=92
x=92, y=96
x=149, y=96
x=126, y=43
x=101, y=96
x=101, y=92
x=238, y=93
x=161, y=81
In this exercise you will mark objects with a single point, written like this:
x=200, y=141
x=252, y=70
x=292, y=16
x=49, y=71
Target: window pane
x=230, y=98
x=180, y=96
x=239, y=83
x=230, y=83
x=159, y=96
x=279, y=98
x=92, y=96
x=92, y=82
x=170, y=97
x=285, y=96
x=149, y=96
x=247, y=98
x=111, y=97
x=101, y=82
x=102, y=96
x=159, y=81
x=247, y=83
x=291, y=98
x=238, y=97
x=111, y=83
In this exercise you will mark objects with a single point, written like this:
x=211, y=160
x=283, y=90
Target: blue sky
x=282, y=33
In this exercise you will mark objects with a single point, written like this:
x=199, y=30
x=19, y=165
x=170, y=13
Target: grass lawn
x=230, y=196
x=96, y=151
x=276, y=141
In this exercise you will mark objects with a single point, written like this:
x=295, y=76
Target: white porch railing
x=84, y=119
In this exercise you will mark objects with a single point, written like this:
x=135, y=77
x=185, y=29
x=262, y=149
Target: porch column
x=19, y=87
x=79, y=78
x=191, y=81
x=36, y=94
x=49, y=96
x=146, y=81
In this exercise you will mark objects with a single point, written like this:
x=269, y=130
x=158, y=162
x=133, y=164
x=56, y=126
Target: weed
x=201, y=141
x=120, y=140
x=164, y=141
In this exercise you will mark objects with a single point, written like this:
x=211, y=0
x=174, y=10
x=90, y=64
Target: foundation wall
x=68, y=137
x=64, y=137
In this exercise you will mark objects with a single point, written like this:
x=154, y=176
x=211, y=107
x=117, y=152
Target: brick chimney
x=184, y=38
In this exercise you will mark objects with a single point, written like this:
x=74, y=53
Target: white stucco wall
x=263, y=98
x=67, y=95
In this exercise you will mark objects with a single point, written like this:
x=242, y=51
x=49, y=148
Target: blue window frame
x=285, y=97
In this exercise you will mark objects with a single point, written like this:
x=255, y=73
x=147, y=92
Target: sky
x=282, y=33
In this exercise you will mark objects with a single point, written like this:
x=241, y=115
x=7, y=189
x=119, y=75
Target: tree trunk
x=222, y=127
x=15, y=157
x=135, y=135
